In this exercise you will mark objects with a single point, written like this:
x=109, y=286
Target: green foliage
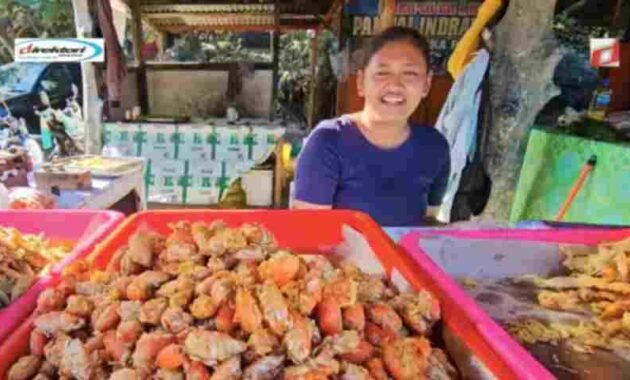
x=574, y=35
x=33, y=18
x=215, y=48
x=294, y=65
x=294, y=61
x=185, y=49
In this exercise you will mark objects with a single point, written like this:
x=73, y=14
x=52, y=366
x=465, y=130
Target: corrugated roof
x=218, y=20
x=286, y=6
x=208, y=8
x=173, y=16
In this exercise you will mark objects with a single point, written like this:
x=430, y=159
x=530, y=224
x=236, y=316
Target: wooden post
x=275, y=72
x=92, y=105
x=275, y=49
x=312, y=100
x=161, y=44
x=342, y=87
x=279, y=177
x=387, y=14
x=616, y=21
x=141, y=73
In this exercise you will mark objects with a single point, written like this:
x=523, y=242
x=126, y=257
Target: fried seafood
x=22, y=259
x=597, y=287
x=214, y=302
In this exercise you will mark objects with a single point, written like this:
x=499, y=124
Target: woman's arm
x=301, y=205
x=432, y=211
x=436, y=192
x=430, y=219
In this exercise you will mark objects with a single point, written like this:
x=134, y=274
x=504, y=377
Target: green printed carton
x=195, y=143
x=164, y=180
x=161, y=141
x=119, y=139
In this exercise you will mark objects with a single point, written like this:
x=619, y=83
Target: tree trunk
x=6, y=50
x=6, y=41
x=525, y=56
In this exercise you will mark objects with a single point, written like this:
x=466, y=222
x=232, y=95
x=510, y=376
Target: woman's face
x=394, y=82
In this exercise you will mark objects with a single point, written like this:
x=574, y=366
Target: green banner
x=552, y=165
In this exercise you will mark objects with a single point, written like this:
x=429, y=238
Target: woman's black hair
x=396, y=34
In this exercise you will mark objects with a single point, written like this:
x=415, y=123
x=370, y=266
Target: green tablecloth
x=551, y=166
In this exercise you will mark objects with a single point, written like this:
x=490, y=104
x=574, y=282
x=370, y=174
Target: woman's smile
x=394, y=99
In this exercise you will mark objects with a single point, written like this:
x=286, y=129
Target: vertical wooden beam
x=616, y=20
x=161, y=44
x=342, y=87
x=275, y=49
x=275, y=72
x=141, y=72
x=312, y=101
x=279, y=177
x=92, y=105
x=387, y=14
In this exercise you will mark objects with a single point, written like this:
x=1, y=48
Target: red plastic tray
x=588, y=236
x=315, y=231
x=502, y=343
x=83, y=227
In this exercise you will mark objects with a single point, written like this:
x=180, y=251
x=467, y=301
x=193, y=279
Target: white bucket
x=258, y=186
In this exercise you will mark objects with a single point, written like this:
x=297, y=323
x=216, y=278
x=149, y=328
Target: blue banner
x=361, y=7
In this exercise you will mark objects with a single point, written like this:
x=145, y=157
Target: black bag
x=473, y=193
x=475, y=185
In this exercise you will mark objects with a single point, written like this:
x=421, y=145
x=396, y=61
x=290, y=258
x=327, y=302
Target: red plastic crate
x=310, y=232
x=83, y=227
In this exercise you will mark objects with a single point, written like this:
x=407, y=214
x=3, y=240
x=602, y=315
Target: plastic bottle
x=598, y=109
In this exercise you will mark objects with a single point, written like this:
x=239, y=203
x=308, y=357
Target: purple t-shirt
x=340, y=167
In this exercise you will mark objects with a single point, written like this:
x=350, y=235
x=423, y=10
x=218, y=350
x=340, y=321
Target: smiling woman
x=374, y=160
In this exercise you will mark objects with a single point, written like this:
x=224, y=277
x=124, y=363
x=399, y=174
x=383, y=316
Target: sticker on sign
x=605, y=52
x=59, y=50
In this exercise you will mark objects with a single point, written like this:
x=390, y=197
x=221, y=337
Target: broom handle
x=586, y=169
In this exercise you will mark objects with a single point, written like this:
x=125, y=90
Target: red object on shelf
x=605, y=52
x=85, y=228
x=319, y=232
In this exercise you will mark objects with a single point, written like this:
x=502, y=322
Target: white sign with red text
x=59, y=50
x=605, y=52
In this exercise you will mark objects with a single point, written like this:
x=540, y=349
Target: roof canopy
x=198, y=15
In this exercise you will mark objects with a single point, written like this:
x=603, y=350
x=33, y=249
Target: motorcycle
x=74, y=123
x=56, y=140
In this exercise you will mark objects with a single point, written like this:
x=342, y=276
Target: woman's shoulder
x=336, y=124
x=428, y=135
x=329, y=131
